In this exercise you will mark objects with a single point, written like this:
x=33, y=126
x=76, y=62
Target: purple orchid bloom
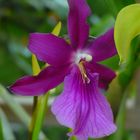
x=81, y=106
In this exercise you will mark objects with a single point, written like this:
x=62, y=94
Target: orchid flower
x=81, y=106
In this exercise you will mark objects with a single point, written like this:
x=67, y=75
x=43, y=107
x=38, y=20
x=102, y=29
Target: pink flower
x=81, y=106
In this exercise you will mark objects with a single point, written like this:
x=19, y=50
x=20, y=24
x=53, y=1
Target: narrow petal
x=77, y=26
x=83, y=108
x=103, y=47
x=50, y=48
x=49, y=78
x=106, y=75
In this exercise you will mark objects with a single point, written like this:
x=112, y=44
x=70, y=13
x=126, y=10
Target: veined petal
x=106, y=75
x=103, y=47
x=83, y=108
x=49, y=78
x=50, y=48
x=78, y=28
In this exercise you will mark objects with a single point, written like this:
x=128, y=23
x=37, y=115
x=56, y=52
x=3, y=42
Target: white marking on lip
x=81, y=55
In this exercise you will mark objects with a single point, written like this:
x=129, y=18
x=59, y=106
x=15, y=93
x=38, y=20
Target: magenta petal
x=103, y=47
x=106, y=75
x=49, y=48
x=49, y=78
x=77, y=26
x=83, y=108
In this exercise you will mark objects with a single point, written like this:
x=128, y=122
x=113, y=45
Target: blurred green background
x=18, y=18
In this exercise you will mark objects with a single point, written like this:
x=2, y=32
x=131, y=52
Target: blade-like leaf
x=1, y=131
x=16, y=107
x=127, y=27
x=6, y=128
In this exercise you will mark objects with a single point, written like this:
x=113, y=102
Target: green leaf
x=7, y=132
x=14, y=106
x=1, y=131
x=127, y=27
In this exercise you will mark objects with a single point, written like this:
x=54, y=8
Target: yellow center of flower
x=83, y=72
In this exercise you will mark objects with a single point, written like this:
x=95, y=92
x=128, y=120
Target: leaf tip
x=57, y=29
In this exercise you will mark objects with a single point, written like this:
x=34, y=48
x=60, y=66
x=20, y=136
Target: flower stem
x=35, y=99
x=31, y=127
x=40, y=112
x=38, y=117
